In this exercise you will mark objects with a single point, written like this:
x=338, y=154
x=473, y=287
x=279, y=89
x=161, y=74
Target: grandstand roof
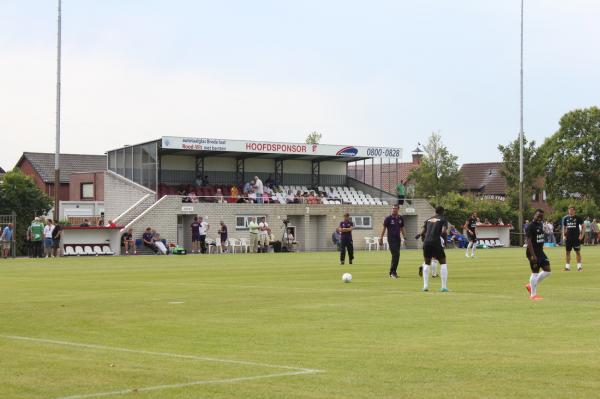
x=274, y=150
x=43, y=163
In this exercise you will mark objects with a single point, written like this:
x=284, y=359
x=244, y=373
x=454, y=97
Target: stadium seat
x=88, y=250
x=244, y=245
x=79, y=250
x=371, y=242
x=69, y=251
x=98, y=250
x=233, y=243
x=106, y=250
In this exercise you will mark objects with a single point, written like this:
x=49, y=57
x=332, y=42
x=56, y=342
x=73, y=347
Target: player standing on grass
x=346, y=239
x=435, y=228
x=394, y=224
x=535, y=253
x=572, y=231
x=470, y=226
x=195, y=226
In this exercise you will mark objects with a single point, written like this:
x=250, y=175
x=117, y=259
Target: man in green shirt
x=37, y=237
x=401, y=192
x=253, y=227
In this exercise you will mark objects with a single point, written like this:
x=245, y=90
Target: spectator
x=241, y=200
x=486, y=221
x=223, y=236
x=290, y=198
x=258, y=186
x=192, y=197
x=265, y=197
x=202, y=231
x=219, y=195
x=127, y=241
x=148, y=240
x=400, y=192
x=252, y=196
x=37, y=237
x=7, y=238
x=269, y=182
x=48, y=238
x=263, y=235
x=56, y=236
x=594, y=232
x=253, y=229
x=195, y=226
x=101, y=222
x=204, y=182
x=587, y=227
x=86, y=223
x=160, y=246
x=549, y=232
x=311, y=199
x=234, y=192
x=111, y=224
x=500, y=222
x=247, y=188
x=28, y=243
x=336, y=237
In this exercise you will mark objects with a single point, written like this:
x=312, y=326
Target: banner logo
x=347, y=152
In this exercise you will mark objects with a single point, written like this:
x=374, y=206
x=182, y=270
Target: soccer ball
x=347, y=277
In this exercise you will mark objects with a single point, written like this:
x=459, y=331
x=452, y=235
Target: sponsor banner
x=270, y=147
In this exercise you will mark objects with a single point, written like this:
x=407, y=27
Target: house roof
x=483, y=177
x=2, y=171
x=43, y=163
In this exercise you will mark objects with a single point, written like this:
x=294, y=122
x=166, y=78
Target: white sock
x=533, y=283
x=568, y=266
x=579, y=266
x=469, y=247
x=425, y=276
x=541, y=276
x=434, y=264
x=444, y=273
x=473, y=249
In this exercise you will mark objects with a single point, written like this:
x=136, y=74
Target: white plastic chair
x=98, y=250
x=220, y=246
x=386, y=244
x=69, y=251
x=244, y=245
x=233, y=243
x=106, y=250
x=88, y=250
x=371, y=242
x=79, y=250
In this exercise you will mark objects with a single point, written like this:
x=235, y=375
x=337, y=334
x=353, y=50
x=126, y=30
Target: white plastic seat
x=244, y=244
x=233, y=243
x=220, y=246
x=79, y=250
x=69, y=251
x=106, y=250
x=371, y=242
x=98, y=250
x=88, y=250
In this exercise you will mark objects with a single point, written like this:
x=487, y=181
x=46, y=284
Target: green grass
x=372, y=338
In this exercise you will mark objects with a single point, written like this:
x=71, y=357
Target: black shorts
x=433, y=250
x=195, y=237
x=56, y=243
x=472, y=237
x=542, y=261
x=573, y=243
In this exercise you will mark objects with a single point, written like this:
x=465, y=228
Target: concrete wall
x=314, y=224
x=77, y=179
x=120, y=194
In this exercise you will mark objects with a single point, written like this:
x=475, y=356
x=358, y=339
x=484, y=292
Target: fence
x=4, y=221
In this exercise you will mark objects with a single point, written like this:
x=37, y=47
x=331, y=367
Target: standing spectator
x=195, y=226
x=37, y=237
x=594, y=232
x=345, y=230
x=247, y=188
x=203, y=230
x=598, y=235
x=394, y=224
x=263, y=235
x=56, y=236
x=336, y=237
x=549, y=232
x=48, y=238
x=223, y=235
x=28, y=243
x=258, y=186
x=128, y=242
x=7, y=238
x=401, y=192
x=148, y=240
x=587, y=226
x=253, y=229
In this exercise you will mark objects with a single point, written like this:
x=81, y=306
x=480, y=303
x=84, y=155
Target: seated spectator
x=160, y=246
x=127, y=241
x=204, y=182
x=311, y=199
x=86, y=223
x=290, y=198
x=148, y=240
x=219, y=195
x=182, y=193
x=247, y=188
x=252, y=196
x=486, y=221
x=269, y=182
x=101, y=222
x=234, y=192
x=500, y=222
x=111, y=224
x=299, y=199
x=266, y=198
x=192, y=197
x=241, y=200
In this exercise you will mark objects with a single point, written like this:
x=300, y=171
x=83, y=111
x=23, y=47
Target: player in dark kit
x=470, y=226
x=434, y=230
x=195, y=226
x=572, y=231
x=346, y=239
x=394, y=224
x=535, y=253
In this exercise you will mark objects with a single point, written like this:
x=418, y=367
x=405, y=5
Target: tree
x=314, y=138
x=438, y=172
x=532, y=170
x=19, y=193
x=572, y=156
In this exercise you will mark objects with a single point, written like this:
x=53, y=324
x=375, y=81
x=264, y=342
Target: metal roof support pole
x=199, y=169
x=239, y=171
x=315, y=176
x=279, y=171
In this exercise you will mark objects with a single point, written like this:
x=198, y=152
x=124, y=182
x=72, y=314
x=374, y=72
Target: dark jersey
x=195, y=228
x=126, y=237
x=433, y=229
x=55, y=232
x=535, y=232
x=346, y=236
x=472, y=224
x=394, y=225
x=572, y=225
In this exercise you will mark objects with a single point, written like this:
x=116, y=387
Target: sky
x=385, y=73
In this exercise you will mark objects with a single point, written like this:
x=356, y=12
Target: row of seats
x=88, y=250
x=337, y=195
x=490, y=243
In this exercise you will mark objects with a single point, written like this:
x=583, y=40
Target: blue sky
x=363, y=73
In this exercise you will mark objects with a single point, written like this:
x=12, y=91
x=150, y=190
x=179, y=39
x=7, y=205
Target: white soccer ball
x=346, y=277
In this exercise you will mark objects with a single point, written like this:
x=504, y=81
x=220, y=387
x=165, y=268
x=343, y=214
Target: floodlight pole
x=57, y=153
x=521, y=177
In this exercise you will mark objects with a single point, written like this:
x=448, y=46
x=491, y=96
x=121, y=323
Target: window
x=87, y=191
x=241, y=222
x=361, y=222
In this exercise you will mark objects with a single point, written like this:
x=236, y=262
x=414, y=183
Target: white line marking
x=176, y=303
x=187, y=384
x=165, y=354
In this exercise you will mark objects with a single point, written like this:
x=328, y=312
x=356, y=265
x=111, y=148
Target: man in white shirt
x=48, y=238
x=263, y=236
x=203, y=230
x=258, y=185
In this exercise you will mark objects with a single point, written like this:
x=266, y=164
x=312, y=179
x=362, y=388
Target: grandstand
x=165, y=182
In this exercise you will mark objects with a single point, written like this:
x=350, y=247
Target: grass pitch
x=285, y=326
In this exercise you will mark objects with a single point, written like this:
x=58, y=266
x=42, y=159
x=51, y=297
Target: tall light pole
x=521, y=173
x=57, y=153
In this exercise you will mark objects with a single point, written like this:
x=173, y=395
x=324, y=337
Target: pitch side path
x=286, y=326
